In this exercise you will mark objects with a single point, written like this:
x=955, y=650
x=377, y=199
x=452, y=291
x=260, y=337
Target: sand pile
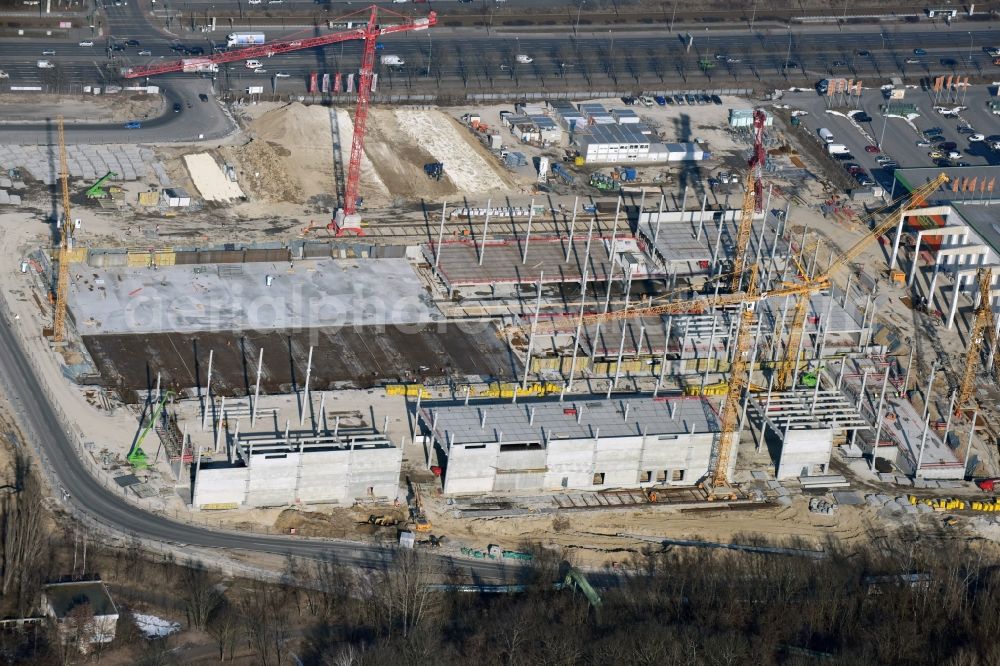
x=464, y=162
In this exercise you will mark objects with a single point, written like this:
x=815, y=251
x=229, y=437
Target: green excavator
x=97, y=190
x=136, y=456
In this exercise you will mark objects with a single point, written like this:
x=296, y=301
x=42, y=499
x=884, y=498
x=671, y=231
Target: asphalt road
x=87, y=496
x=477, y=59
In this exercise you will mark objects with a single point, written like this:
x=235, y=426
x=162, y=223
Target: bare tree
x=24, y=536
x=201, y=594
x=224, y=627
x=401, y=598
x=265, y=614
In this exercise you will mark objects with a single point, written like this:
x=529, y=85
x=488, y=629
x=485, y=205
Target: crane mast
x=982, y=323
x=729, y=436
x=62, y=282
x=753, y=199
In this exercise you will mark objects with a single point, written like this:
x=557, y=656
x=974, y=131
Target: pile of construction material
x=820, y=505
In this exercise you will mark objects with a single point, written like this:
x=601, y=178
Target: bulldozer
x=382, y=521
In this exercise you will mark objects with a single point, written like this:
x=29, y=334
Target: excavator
x=136, y=456
x=97, y=190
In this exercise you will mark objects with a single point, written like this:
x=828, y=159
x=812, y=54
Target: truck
x=198, y=65
x=826, y=135
x=244, y=38
x=392, y=61
x=836, y=148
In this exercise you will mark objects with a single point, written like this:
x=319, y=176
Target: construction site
x=442, y=319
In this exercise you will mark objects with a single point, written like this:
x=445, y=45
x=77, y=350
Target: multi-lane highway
x=473, y=58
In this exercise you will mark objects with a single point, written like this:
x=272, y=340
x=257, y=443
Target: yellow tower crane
x=982, y=323
x=62, y=282
x=818, y=283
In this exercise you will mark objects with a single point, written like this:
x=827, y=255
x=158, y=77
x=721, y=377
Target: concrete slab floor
x=356, y=409
x=261, y=296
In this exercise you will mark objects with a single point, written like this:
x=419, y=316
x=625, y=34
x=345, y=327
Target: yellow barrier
x=219, y=506
x=408, y=390
x=165, y=257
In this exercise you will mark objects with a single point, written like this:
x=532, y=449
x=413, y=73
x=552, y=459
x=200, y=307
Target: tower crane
x=818, y=283
x=982, y=323
x=346, y=218
x=753, y=199
x=65, y=243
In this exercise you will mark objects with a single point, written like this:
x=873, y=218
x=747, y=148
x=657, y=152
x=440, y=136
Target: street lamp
x=970, y=48
x=579, y=9
x=673, y=16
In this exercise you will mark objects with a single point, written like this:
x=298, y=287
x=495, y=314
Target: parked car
x=919, y=52
x=679, y=99
x=203, y=97
x=947, y=145
x=131, y=42
x=716, y=100
x=948, y=62
x=975, y=138
x=660, y=99
x=871, y=149
x=923, y=144
x=177, y=108
x=646, y=101
x=133, y=124
x=48, y=52
x=690, y=99
x=862, y=118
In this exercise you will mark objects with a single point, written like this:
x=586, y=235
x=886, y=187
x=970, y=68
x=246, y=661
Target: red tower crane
x=753, y=198
x=347, y=218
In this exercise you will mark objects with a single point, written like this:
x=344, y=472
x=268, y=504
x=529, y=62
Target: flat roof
x=64, y=597
x=503, y=261
x=984, y=220
x=215, y=297
x=572, y=418
x=679, y=242
x=915, y=177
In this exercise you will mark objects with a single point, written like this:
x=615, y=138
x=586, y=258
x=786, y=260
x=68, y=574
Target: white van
x=826, y=135
x=254, y=64
x=45, y=64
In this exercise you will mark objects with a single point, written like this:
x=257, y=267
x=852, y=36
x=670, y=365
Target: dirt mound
x=263, y=171
x=336, y=524
x=292, y=151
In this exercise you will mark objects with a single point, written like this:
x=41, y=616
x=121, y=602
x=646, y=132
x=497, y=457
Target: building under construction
x=580, y=443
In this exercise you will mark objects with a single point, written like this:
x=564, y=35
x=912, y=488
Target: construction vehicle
x=434, y=170
x=417, y=516
x=810, y=379
x=603, y=182
x=379, y=22
x=136, y=456
x=576, y=580
x=559, y=170
x=97, y=190
x=382, y=521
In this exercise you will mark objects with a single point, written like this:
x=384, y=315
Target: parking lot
x=896, y=137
